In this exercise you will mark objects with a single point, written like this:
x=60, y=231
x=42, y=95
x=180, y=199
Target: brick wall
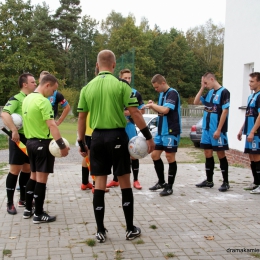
x=237, y=157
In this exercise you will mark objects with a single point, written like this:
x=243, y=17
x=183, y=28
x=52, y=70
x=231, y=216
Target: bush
x=75, y=105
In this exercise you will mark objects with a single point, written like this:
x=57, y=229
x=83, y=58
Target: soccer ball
x=54, y=148
x=137, y=147
x=18, y=120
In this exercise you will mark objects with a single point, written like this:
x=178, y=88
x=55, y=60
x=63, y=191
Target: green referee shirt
x=105, y=97
x=36, y=111
x=14, y=105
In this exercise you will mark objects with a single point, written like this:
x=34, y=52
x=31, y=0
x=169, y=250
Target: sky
x=180, y=14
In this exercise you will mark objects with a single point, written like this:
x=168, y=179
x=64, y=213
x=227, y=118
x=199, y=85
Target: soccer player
x=130, y=130
x=105, y=98
x=251, y=129
x=56, y=99
x=215, y=127
x=85, y=169
x=19, y=162
x=40, y=128
x=168, y=136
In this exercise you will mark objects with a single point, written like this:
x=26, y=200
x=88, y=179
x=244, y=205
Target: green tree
x=207, y=42
x=82, y=56
x=179, y=65
x=67, y=18
x=130, y=36
x=17, y=54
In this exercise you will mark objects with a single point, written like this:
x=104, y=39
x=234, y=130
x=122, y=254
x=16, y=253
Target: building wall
x=241, y=56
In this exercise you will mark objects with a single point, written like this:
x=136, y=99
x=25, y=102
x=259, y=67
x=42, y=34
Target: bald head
x=106, y=60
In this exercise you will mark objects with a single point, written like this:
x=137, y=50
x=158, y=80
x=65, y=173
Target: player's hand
x=64, y=152
x=239, y=135
x=250, y=137
x=151, y=145
x=202, y=83
x=126, y=113
x=150, y=102
x=15, y=136
x=216, y=135
x=57, y=123
x=83, y=153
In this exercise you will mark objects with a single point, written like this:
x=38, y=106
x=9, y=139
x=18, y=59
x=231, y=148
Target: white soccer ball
x=54, y=148
x=18, y=120
x=138, y=147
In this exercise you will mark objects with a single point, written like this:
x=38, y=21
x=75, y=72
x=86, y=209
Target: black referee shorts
x=16, y=156
x=41, y=160
x=109, y=148
x=88, y=141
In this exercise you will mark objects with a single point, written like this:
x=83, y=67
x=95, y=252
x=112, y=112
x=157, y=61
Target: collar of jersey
x=104, y=72
x=23, y=93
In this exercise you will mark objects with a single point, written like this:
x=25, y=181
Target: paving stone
x=183, y=220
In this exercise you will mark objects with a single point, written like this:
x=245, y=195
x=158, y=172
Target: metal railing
x=185, y=112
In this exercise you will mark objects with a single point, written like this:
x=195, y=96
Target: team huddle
x=109, y=108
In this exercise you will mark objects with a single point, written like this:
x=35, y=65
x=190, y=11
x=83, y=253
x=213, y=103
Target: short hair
x=23, y=78
x=158, y=78
x=44, y=72
x=106, y=58
x=124, y=71
x=255, y=75
x=209, y=75
x=48, y=78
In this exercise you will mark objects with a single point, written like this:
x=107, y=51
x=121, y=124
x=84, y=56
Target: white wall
x=241, y=48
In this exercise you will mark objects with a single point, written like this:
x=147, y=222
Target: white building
x=241, y=57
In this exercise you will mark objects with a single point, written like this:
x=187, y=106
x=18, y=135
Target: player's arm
x=57, y=137
x=159, y=109
x=139, y=121
x=199, y=94
x=239, y=135
x=82, y=130
x=8, y=121
x=250, y=137
x=222, y=120
x=65, y=112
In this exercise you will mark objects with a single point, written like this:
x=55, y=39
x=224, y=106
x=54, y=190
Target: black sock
x=253, y=168
x=257, y=167
x=85, y=175
x=115, y=178
x=135, y=169
x=172, y=173
x=99, y=209
x=159, y=168
x=39, y=197
x=30, y=186
x=224, y=168
x=23, y=179
x=209, y=165
x=128, y=207
x=11, y=181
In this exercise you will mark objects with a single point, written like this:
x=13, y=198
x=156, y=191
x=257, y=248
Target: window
x=248, y=68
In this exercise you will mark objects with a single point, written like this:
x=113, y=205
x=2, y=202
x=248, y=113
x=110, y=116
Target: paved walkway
x=192, y=223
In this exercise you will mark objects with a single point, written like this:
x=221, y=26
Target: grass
x=256, y=255
x=2, y=172
x=169, y=255
x=90, y=242
x=153, y=227
x=3, y=142
x=7, y=252
x=68, y=130
x=139, y=242
x=185, y=142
